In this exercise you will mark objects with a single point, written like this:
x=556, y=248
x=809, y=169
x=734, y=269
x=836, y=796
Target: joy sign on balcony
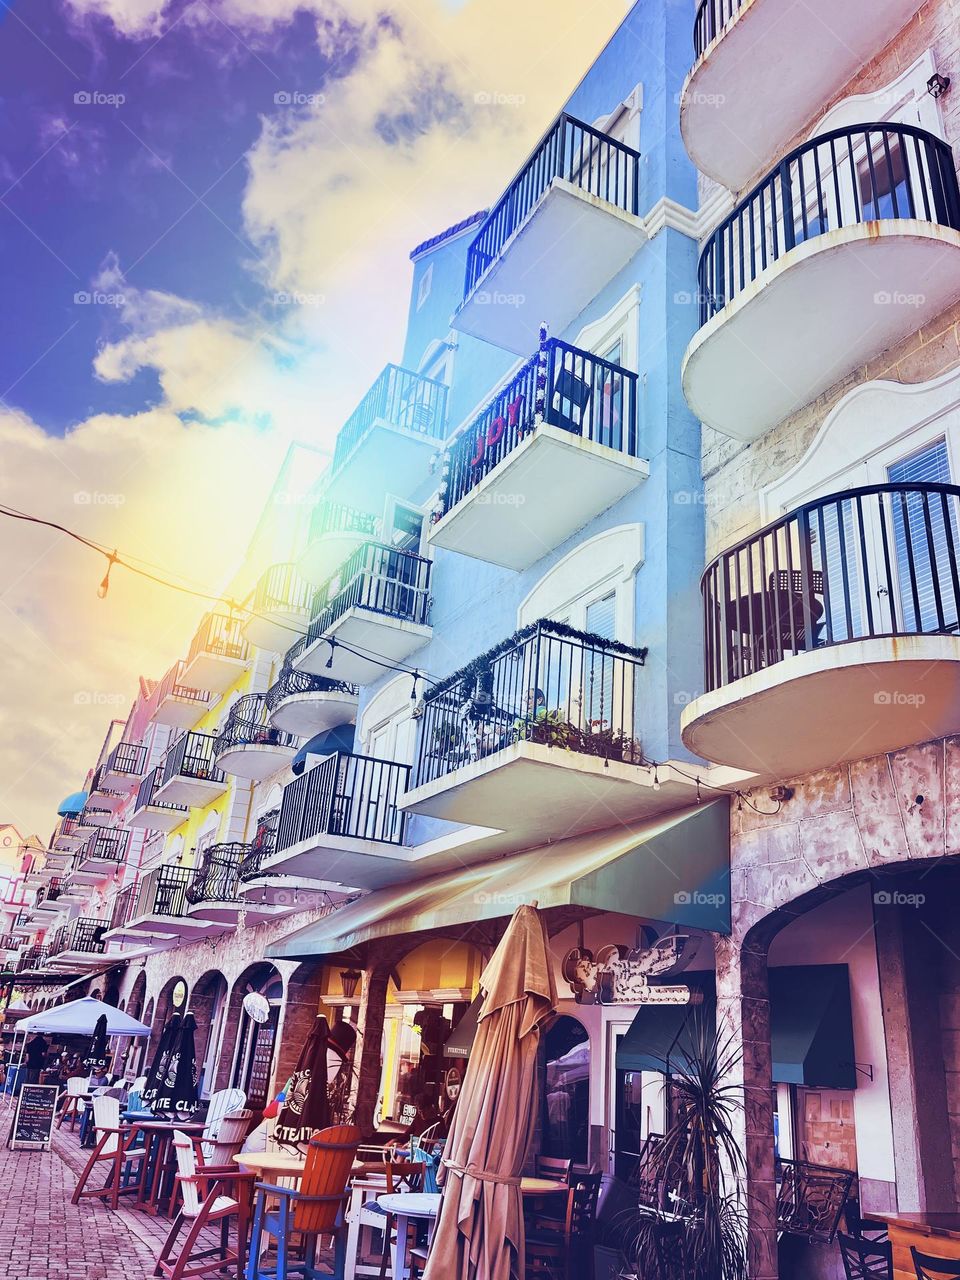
x=495, y=432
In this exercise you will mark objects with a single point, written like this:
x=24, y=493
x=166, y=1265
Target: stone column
x=373, y=1008
x=300, y=1008
x=743, y=1022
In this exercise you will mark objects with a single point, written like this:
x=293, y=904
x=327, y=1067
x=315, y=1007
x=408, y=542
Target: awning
x=676, y=870
x=72, y=805
x=811, y=1027
x=464, y=1033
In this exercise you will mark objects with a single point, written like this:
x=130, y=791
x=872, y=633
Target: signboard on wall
x=33, y=1119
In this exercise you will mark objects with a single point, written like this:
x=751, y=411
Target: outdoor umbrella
x=157, y=1069
x=177, y=1092
x=98, y=1052
x=305, y=1108
x=479, y=1232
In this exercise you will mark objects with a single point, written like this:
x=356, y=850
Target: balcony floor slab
x=391, y=639
x=342, y=862
x=386, y=459
x=276, y=629
x=212, y=672
x=181, y=789
x=157, y=818
x=306, y=714
x=179, y=713
x=254, y=761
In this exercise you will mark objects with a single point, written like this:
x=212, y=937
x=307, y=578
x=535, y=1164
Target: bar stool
x=865, y=1259
x=929, y=1267
x=72, y=1100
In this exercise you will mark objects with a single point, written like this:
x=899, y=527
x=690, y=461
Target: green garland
x=467, y=676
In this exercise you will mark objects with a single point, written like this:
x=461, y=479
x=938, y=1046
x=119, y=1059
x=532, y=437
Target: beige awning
x=676, y=870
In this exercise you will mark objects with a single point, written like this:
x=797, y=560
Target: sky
x=206, y=213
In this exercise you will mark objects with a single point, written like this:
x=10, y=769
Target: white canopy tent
x=76, y=1018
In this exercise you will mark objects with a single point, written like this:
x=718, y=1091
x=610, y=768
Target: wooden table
x=543, y=1187
x=283, y=1163
x=419, y=1205
x=159, y=1162
x=934, y=1233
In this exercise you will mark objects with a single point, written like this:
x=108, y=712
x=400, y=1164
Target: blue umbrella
x=323, y=744
x=73, y=805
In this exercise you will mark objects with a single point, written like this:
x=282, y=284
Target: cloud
x=137, y=19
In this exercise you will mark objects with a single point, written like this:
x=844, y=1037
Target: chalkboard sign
x=33, y=1121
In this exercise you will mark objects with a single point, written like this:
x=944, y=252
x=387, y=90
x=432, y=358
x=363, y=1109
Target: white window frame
x=425, y=287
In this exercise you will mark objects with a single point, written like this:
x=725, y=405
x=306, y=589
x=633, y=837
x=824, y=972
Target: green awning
x=811, y=1027
x=464, y=1033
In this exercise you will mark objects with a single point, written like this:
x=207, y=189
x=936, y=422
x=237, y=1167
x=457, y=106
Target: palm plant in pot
x=697, y=1230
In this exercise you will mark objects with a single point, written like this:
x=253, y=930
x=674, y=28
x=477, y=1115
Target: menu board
x=33, y=1120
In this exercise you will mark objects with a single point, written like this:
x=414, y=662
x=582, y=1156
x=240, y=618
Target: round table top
x=542, y=1187
x=272, y=1162
x=411, y=1204
x=161, y=1126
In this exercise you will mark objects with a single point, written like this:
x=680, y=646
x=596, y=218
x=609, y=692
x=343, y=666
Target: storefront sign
x=618, y=975
x=33, y=1121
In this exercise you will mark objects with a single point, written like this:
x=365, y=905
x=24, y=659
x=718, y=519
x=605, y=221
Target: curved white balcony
x=280, y=609
x=249, y=746
x=305, y=704
x=335, y=533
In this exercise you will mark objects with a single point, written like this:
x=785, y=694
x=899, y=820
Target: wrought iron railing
x=711, y=17
x=248, y=725
x=31, y=958
x=377, y=578
x=68, y=829
x=82, y=934
x=580, y=154
x=217, y=878
x=345, y=795
x=9, y=942
x=172, y=686
x=291, y=682
x=109, y=844
x=811, y=1199
x=280, y=589
x=128, y=758
x=547, y=684
x=842, y=178
x=48, y=892
x=264, y=843
x=93, y=815
x=403, y=399
x=877, y=561
x=193, y=755
x=161, y=892
x=146, y=796
x=219, y=634
x=582, y=393
x=332, y=517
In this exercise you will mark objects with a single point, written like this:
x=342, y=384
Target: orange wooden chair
x=312, y=1210
x=116, y=1146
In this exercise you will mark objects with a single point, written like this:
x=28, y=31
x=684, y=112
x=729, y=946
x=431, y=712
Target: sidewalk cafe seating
x=222, y=1103
x=73, y=1099
x=400, y=1175
x=928, y=1267
x=869, y=1229
x=231, y=1135
x=811, y=1199
x=866, y=1259
x=313, y=1210
x=116, y=1147
x=560, y=1248
x=205, y=1203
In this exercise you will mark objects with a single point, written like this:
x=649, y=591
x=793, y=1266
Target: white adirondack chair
x=72, y=1102
x=222, y=1103
x=118, y=1147
x=202, y=1205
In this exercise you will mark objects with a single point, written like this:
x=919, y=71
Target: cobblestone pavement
x=44, y=1237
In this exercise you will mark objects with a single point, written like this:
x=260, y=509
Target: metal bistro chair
x=866, y=1259
x=313, y=1210
x=203, y=1205
x=116, y=1146
x=561, y=1248
x=929, y=1267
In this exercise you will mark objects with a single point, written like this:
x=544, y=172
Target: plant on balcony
x=447, y=740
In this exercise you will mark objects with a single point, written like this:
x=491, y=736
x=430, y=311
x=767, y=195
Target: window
x=565, y=1117
x=882, y=179
x=925, y=551
x=426, y=284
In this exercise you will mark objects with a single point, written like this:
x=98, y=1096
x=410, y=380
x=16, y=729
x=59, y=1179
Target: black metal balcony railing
x=192, y=756
x=376, y=577
x=31, y=958
x=400, y=397
x=345, y=795
x=577, y=152
x=290, y=682
x=171, y=686
x=128, y=758
x=547, y=684
x=48, y=892
x=67, y=828
x=123, y=906
x=584, y=394
x=264, y=843
x=94, y=815
x=83, y=934
x=840, y=179
x=218, y=876
x=878, y=561
x=711, y=17
x=248, y=725
x=109, y=844
x=146, y=796
x=161, y=892
x=21, y=919
x=9, y=942
x=280, y=589
x=221, y=635
x=97, y=783
x=333, y=517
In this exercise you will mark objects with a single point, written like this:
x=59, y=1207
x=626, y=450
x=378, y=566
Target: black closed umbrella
x=305, y=1108
x=178, y=1086
x=157, y=1069
x=98, y=1052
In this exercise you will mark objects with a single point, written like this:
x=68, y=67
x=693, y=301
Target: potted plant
x=701, y=1233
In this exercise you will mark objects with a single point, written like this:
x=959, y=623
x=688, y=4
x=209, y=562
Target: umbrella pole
x=8, y=1094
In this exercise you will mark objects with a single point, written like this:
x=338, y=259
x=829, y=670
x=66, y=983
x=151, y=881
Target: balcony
x=859, y=228
x=832, y=634
x=47, y=898
x=218, y=654
x=124, y=767
x=378, y=603
x=95, y=815
x=152, y=814
x=178, y=705
x=22, y=926
x=79, y=944
x=541, y=737
x=155, y=909
x=563, y=228
x=306, y=705
x=335, y=533
x=386, y=444
x=790, y=58
x=103, y=852
x=9, y=942
x=530, y=471
x=248, y=746
x=281, y=608
x=214, y=893
x=189, y=773
x=31, y=960
x=340, y=824
x=258, y=888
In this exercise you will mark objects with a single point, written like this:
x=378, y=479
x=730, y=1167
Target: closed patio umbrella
x=157, y=1069
x=479, y=1233
x=178, y=1086
x=305, y=1107
x=98, y=1051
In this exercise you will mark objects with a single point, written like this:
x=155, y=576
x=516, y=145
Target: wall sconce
x=938, y=85
x=349, y=981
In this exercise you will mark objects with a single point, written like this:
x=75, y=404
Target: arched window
x=565, y=1119
x=256, y=1040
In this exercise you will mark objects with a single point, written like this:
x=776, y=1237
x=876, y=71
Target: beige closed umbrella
x=479, y=1233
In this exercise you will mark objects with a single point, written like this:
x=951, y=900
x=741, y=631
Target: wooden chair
x=929, y=1267
x=553, y=1169
x=865, y=1259
x=313, y=1210
x=73, y=1100
x=231, y=1136
x=115, y=1146
x=222, y=1103
x=203, y=1205
x=561, y=1248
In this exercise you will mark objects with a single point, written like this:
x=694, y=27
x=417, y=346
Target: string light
x=104, y=586
x=333, y=644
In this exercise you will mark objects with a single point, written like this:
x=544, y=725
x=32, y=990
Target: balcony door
x=926, y=544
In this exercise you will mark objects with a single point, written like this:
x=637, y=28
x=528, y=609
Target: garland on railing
x=468, y=675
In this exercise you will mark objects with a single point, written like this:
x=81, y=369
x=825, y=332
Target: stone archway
x=165, y=1007
x=208, y=1003
x=248, y=1050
